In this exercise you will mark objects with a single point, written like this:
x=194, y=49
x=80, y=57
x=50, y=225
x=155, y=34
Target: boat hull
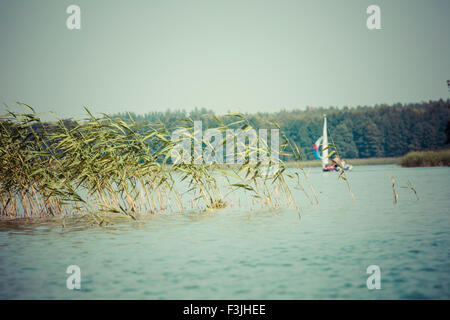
x=346, y=168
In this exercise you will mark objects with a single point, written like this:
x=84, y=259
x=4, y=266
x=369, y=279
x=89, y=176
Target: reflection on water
x=240, y=254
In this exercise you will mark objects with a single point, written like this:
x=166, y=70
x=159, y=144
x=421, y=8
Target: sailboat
x=336, y=164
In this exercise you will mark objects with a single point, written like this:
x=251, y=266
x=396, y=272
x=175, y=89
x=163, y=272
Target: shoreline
x=354, y=162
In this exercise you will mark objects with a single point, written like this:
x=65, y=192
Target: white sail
x=324, y=142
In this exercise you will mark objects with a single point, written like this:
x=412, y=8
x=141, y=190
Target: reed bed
x=426, y=158
x=103, y=166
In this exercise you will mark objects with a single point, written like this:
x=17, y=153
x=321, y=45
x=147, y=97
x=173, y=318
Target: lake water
x=242, y=254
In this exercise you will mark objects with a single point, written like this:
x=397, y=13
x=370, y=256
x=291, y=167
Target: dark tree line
x=361, y=132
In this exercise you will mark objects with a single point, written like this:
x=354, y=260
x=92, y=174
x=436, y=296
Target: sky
x=234, y=55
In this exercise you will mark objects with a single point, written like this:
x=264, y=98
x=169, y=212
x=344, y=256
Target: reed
x=103, y=166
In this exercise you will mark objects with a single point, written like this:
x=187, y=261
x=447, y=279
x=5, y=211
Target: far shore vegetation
x=381, y=131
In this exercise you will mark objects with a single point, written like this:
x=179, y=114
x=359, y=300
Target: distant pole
x=448, y=85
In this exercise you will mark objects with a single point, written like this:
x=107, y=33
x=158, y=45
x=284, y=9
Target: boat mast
x=324, y=142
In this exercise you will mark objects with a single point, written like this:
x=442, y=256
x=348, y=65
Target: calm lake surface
x=242, y=254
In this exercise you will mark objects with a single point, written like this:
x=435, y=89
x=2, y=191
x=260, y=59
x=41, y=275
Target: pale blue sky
x=237, y=55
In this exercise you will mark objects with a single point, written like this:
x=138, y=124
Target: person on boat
x=337, y=162
x=341, y=164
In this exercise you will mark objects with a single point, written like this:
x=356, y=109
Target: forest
x=360, y=132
